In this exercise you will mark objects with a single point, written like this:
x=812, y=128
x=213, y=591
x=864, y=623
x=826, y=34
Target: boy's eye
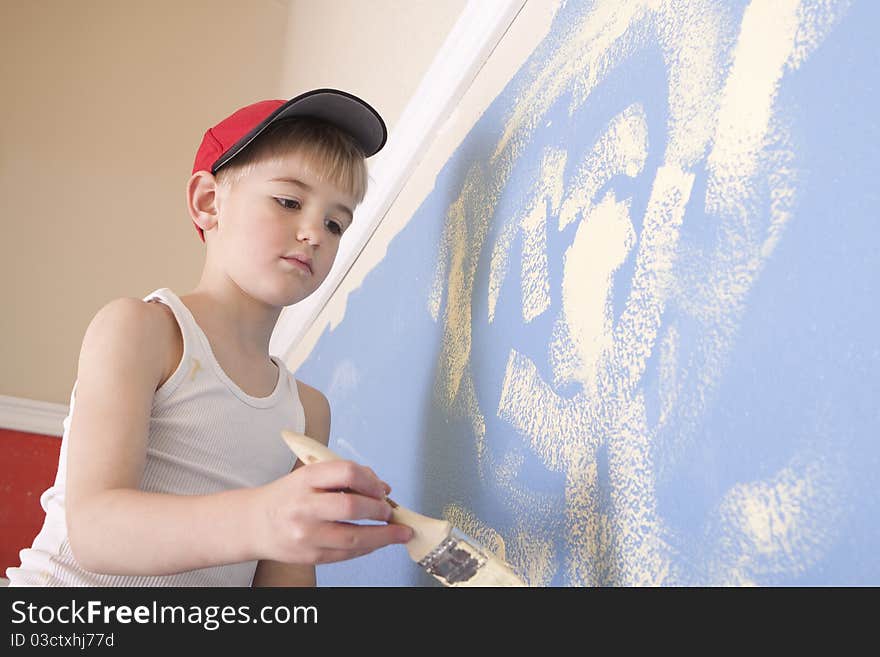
x=333, y=226
x=289, y=203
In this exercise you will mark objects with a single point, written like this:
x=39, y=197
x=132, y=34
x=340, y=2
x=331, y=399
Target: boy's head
x=332, y=131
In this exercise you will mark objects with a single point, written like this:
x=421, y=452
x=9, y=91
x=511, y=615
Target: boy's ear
x=201, y=200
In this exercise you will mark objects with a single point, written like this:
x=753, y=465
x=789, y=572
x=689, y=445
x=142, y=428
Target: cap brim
x=344, y=110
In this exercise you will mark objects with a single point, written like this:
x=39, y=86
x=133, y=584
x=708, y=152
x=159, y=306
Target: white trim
x=478, y=30
x=20, y=414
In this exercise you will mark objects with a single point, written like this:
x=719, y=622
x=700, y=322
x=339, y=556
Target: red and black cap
x=347, y=112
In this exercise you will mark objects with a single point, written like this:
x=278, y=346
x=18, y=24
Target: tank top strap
x=194, y=350
x=192, y=345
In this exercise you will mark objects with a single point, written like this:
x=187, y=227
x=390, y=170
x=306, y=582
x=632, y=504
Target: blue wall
x=649, y=363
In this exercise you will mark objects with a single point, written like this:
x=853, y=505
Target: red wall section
x=29, y=462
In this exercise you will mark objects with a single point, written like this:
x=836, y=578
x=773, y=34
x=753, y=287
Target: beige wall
x=379, y=49
x=106, y=101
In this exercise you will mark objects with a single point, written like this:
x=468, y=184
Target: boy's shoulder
x=149, y=327
x=137, y=316
x=126, y=314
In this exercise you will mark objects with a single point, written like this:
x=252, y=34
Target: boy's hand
x=306, y=516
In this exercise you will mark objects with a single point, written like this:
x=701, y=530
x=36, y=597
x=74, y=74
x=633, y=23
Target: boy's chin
x=277, y=293
x=292, y=301
x=285, y=298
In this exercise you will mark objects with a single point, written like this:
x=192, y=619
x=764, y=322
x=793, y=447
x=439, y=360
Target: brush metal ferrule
x=455, y=560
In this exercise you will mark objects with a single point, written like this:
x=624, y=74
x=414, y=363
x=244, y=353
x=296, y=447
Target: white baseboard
x=20, y=414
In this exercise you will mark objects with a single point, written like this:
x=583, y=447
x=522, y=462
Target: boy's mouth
x=300, y=261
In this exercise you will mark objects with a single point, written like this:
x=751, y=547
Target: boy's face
x=278, y=230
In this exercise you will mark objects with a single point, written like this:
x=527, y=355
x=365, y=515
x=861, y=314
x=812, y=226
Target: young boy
x=172, y=469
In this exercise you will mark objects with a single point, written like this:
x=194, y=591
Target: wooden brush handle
x=428, y=532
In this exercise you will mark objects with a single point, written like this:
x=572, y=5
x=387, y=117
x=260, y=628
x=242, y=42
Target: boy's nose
x=309, y=230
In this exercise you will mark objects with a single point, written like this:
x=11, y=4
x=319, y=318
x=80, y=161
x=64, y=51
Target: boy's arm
x=115, y=528
x=317, y=414
x=112, y=526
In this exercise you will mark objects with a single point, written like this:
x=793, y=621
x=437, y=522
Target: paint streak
x=533, y=223
x=535, y=279
x=669, y=384
x=583, y=333
x=467, y=522
x=765, y=45
x=585, y=52
x=621, y=150
x=345, y=379
x=779, y=526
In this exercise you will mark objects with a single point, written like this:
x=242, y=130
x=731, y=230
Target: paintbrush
x=442, y=549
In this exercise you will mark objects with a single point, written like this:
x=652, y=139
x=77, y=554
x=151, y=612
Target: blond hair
x=330, y=154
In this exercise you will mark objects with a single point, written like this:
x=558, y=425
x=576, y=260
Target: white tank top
x=206, y=435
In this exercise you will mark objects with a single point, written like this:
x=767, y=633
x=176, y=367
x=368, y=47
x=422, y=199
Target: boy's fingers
x=342, y=506
x=348, y=540
x=327, y=555
x=381, y=481
x=345, y=475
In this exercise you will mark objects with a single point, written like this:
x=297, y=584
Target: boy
x=172, y=470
